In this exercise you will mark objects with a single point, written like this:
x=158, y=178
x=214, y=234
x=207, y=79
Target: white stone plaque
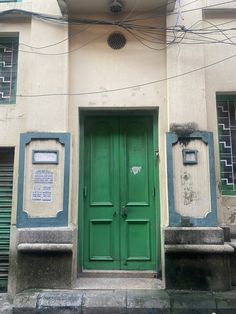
x=42, y=157
x=43, y=180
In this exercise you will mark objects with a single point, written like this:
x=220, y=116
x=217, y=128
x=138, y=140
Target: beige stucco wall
x=192, y=97
x=37, y=74
x=95, y=67
x=186, y=93
x=220, y=79
x=91, y=66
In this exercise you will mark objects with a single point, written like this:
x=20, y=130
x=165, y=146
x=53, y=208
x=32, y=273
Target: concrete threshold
x=108, y=283
x=118, y=274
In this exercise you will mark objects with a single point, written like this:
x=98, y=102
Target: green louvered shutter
x=6, y=182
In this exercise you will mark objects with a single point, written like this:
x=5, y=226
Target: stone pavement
x=120, y=301
x=5, y=306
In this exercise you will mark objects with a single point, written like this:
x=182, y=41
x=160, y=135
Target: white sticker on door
x=135, y=169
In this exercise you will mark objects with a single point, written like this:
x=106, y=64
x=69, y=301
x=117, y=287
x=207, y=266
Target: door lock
x=124, y=212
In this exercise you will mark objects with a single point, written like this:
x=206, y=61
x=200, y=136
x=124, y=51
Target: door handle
x=124, y=212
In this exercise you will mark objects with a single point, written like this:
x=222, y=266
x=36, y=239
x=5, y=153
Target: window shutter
x=6, y=184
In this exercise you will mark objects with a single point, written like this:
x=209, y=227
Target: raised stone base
x=43, y=258
x=233, y=256
x=198, y=271
x=45, y=269
x=197, y=259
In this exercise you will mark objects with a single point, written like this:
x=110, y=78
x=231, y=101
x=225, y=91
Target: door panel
x=137, y=187
x=137, y=231
x=101, y=223
x=102, y=166
x=135, y=164
x=101, y=240
x=119, y=200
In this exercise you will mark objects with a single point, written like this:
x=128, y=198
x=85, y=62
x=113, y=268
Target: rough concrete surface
x=120, y=302
x=5, y=305
x=194, y=235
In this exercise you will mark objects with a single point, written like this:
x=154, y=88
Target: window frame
x=14, y=39
x=225, y=191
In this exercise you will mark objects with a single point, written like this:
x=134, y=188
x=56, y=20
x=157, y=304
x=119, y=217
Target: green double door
x=119, y=194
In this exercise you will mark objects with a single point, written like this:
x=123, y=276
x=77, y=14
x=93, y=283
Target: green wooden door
x=119, y=194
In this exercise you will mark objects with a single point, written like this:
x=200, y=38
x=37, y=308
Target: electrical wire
x=180, y=38
x=185, y=11
x=147, y=35
x=56, y=43
x=131, y=86
x=139, y=34
x=140, y=40
x=101, y=22
x=66, y=39
x=144, y=34
x=164, y=6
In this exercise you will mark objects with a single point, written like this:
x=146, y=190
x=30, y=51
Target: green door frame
x=82, y=115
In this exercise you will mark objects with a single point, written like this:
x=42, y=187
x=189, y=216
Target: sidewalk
x=120, y=301
x=5, y=306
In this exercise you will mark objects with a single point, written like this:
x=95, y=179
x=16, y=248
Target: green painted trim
x=136, y=112
x=225, y=97
x=80, y=251
x=229, y=192
x=175, y=219
x=156, y=165
x=85, y=113
x=23, y=220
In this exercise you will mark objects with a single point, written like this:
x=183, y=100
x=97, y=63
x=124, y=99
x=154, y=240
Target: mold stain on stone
x=189, y=195
x=232, y=217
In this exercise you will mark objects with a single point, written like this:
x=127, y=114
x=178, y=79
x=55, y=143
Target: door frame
x=83, y=113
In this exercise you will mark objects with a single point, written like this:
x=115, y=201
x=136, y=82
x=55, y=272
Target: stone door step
x=117, y=274
x=106, y=283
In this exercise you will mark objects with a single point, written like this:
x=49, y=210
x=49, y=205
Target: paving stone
x=104, y=302
x=148, y=302
x=226, y=311
x=25, y=303
x=225, y=302
x=192, y=302
x=59, y=302
x=120, y=302
x=192, y=311
x=6, y=310
x=5, y=305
